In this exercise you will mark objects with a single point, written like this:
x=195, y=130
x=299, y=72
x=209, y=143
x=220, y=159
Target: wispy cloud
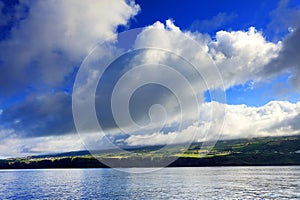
x=216, y=23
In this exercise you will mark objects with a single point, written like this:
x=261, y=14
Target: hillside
x=238, y=152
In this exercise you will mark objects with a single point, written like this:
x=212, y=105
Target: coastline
x=230, y=160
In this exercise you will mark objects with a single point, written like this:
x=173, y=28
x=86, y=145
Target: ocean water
x=168, y=183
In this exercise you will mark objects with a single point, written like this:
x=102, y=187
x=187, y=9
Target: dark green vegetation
x=239, y=152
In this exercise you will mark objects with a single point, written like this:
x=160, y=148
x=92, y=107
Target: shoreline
x=224, y=161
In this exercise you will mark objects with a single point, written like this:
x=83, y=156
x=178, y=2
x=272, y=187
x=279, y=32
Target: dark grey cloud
x=285, y=21
x=18, y=73
x=40, y=115
x=291, y=122
x=288, y=60
x=50, y=114
x=295, y=122
x=142, y=98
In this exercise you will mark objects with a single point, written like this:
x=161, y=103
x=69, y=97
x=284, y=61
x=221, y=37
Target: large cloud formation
x=44, y=47
x=46, y=60
x=43, y=43
x=277, y=118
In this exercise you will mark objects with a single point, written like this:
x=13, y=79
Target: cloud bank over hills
x=47, y=44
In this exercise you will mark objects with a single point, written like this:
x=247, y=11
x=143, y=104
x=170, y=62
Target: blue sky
x=201, y=11
x=211, y=16
x=253, y=45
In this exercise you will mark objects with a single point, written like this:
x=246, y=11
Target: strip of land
x=239, y=152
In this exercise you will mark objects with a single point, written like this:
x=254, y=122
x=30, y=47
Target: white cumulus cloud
x=276, y=118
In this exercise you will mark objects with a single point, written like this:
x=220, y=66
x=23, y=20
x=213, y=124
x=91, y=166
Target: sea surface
x=167, y=183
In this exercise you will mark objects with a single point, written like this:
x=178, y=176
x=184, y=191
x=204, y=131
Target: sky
x=94, y=74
